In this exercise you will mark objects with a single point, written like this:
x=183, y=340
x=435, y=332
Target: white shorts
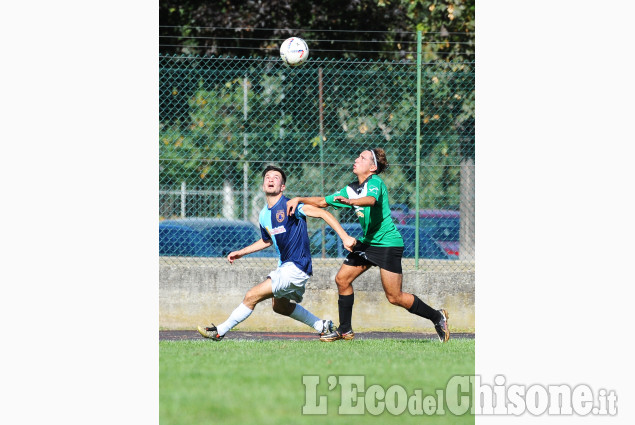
x=287, y=281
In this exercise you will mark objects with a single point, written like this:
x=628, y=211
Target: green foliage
x=338, y=28
x=210, y=132
x=206, y=141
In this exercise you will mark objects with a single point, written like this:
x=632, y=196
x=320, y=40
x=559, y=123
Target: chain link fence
x=222, y=120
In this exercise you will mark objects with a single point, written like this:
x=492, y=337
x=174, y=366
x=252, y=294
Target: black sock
x=345, y=305
x=424, y=310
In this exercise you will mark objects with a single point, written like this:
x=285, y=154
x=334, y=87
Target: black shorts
x=384, y=257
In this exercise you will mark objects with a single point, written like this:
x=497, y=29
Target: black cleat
x=442, y=326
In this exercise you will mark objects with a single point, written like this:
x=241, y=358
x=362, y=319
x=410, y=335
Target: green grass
x=260, y=382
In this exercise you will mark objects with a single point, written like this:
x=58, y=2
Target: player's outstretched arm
x=366, y=201
x=316, y=201
x=256, y=246
x=311, y=211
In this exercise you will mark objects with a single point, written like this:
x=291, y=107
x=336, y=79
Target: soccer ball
x=294, y=51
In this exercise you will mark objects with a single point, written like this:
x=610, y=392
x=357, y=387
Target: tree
x=336, y=28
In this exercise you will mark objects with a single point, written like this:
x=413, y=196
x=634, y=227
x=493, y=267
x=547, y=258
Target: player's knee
x=342, y=283
x=251, y=299
x=394, y=299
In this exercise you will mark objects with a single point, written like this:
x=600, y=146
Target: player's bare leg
x=258, y=293
x=392, y=283
x=344, y=281
x=392, y=288
x=345, y=277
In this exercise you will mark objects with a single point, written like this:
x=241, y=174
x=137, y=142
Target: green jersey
x=377, y=225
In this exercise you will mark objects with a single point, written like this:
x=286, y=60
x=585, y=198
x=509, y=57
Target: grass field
x=261, y=382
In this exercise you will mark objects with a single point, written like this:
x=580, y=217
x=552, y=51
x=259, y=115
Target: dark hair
x=382, y=162
x=274, y=168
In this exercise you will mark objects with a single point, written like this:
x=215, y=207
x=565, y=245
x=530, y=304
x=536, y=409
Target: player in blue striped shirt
x=289, y=236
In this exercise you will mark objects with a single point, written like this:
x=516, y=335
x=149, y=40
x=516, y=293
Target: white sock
x=305, y=316
x=239, y=314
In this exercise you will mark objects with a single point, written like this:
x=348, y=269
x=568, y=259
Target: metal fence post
x=245, y=143
x=418, y=141
x=322, y=140
x=183, y=199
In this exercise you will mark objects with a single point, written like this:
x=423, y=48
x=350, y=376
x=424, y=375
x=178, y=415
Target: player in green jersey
x=381, y=245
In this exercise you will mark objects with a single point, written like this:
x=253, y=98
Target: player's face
x=272, y=184
x=364, y=164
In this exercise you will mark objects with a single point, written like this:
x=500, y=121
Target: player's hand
x=343, y=200
x=349, y=242
x=291, y=205
x=234, y=255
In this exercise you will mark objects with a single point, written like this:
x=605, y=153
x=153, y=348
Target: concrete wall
x=191, y=294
